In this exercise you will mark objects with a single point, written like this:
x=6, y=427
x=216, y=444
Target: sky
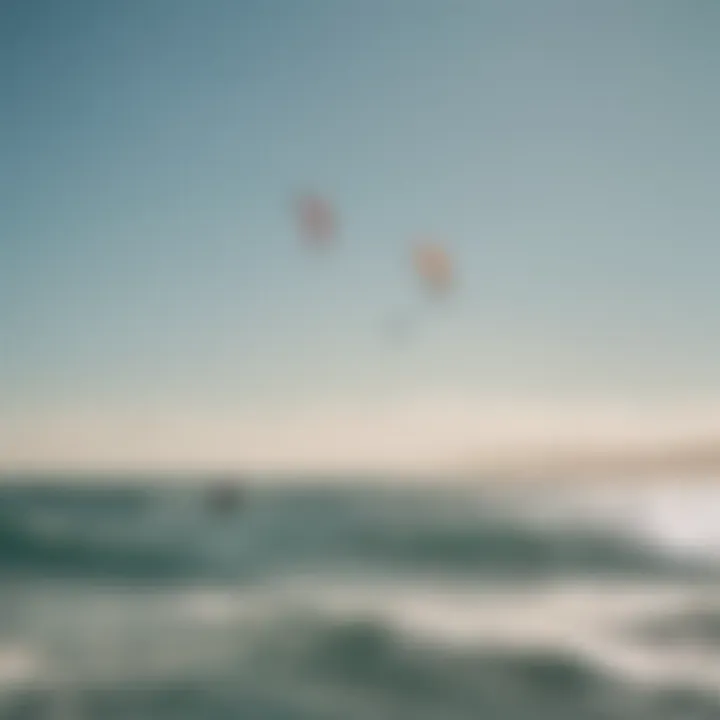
x=158, y=309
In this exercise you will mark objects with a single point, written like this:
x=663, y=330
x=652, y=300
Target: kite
x=434, y=268
x=317, y=222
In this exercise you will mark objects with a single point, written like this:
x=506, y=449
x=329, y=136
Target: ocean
x=129, y=599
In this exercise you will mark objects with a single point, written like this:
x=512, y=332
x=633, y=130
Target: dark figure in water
x=225, y=499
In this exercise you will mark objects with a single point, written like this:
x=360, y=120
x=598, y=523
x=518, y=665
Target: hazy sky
x=157, y=307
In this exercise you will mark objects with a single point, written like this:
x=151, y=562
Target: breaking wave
x=317, y=605
x=171, y=536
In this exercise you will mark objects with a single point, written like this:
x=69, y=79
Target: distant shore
x=691, y=463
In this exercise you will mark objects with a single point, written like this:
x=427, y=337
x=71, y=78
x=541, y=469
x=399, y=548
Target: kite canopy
x=316, y=220
x=434, y=267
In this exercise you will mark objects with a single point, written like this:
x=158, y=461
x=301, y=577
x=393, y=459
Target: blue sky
x=567, y=152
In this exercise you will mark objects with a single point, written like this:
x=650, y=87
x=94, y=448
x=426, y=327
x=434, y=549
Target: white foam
x=212, y=607
x=683, y=520
x=18, y=664
x=591, y=620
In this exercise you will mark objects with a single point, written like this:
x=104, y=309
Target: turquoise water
x=131, y=600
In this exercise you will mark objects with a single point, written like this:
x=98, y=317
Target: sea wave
x=365, y=605
x=318, y=651
x=170, y=536
x=32, y=547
